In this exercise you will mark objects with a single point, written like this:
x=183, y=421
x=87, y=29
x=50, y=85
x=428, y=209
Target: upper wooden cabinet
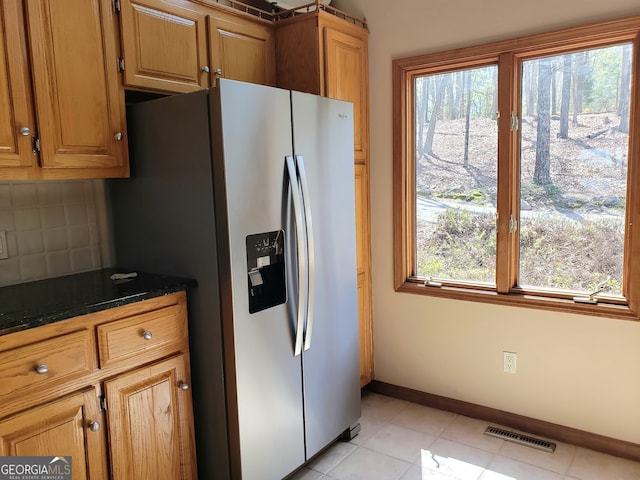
x=79, y=128
x=15, y=97
x=78, y=103
x=164, y=45
x=346, y=78
x=241, y=50
x=322, y=54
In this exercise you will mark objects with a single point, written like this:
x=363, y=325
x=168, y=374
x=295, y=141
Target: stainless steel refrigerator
x=250, y=190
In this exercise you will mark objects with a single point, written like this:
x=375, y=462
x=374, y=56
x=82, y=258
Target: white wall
x=573, y=370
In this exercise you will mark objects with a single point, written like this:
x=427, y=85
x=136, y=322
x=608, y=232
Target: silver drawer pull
x=183, y=386
x=147, y=335
x=94, y=426
x=42, y=369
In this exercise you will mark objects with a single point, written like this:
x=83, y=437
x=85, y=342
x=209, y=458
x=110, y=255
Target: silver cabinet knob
x=42, y=369
x=206, y=69
x=183, y=386
x=218, y=71
x=94, y=426
x=118, y=136
x=147, y=335
x=25, y=131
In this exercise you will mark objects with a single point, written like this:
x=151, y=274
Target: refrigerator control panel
x=265, y=270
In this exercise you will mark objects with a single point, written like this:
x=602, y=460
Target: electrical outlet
x=510, y=362
x=4, y=252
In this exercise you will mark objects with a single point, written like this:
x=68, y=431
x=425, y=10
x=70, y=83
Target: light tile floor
x=404, y=441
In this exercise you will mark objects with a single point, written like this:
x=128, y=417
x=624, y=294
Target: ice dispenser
x=265, y=270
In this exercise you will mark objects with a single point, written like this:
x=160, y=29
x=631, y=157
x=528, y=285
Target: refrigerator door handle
x=306, y=202
x=300, y=242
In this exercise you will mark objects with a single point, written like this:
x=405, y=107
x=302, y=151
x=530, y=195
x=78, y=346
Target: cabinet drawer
x=42, y=365
x=145, y=337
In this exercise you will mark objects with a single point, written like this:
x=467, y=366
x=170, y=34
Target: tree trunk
x=542, y=170
x=529, y=93
x=625, y=90
x=494, y=101
x=554, y=90
x=422, y=104
x=451, y=113
x=581, y=71
x=566, y=97
x=460, y=96
x=441, y=87
x=468, y=118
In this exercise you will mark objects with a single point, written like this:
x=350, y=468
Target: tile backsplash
x=53, y=228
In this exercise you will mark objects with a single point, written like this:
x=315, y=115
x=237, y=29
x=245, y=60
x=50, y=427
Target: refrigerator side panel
x=164, y=222
x=323, y=136
x=252, y=135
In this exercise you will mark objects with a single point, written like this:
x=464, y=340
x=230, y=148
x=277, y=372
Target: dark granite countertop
x=34, y=304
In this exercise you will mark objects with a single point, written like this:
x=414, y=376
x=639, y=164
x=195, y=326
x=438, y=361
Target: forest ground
x=588, y=170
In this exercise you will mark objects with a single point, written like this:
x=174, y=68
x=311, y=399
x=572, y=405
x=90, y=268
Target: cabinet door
x=151, y=423
x=75, y=79
x=347, y=79
x=71, y=426
x=164, y=46
x=242, y=50
x=363, y=262
x=15, y=95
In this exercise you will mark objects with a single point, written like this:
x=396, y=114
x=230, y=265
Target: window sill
x=621, y=312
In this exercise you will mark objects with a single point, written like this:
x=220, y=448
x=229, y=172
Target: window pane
x=456, y=145
x=574, y=145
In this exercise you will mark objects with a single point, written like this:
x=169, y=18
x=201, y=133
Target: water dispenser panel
x=265, y=270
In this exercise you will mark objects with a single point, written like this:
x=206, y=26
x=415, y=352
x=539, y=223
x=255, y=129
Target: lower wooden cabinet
x=72, y=426
x=149, y=409
x=126, y=417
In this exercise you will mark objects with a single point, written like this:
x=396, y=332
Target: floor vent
x=521, y=439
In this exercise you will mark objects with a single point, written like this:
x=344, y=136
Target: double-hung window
x=517, y=171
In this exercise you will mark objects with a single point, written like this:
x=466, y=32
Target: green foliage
x=566, y=254
x=554, y=252
x=478, y=195
x=462, y=246
x=602, y=86
x=539, y=193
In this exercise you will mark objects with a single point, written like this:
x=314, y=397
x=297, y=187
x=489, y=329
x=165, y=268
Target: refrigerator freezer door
x=163, y=221
x=323, y=136
x=251, y=137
